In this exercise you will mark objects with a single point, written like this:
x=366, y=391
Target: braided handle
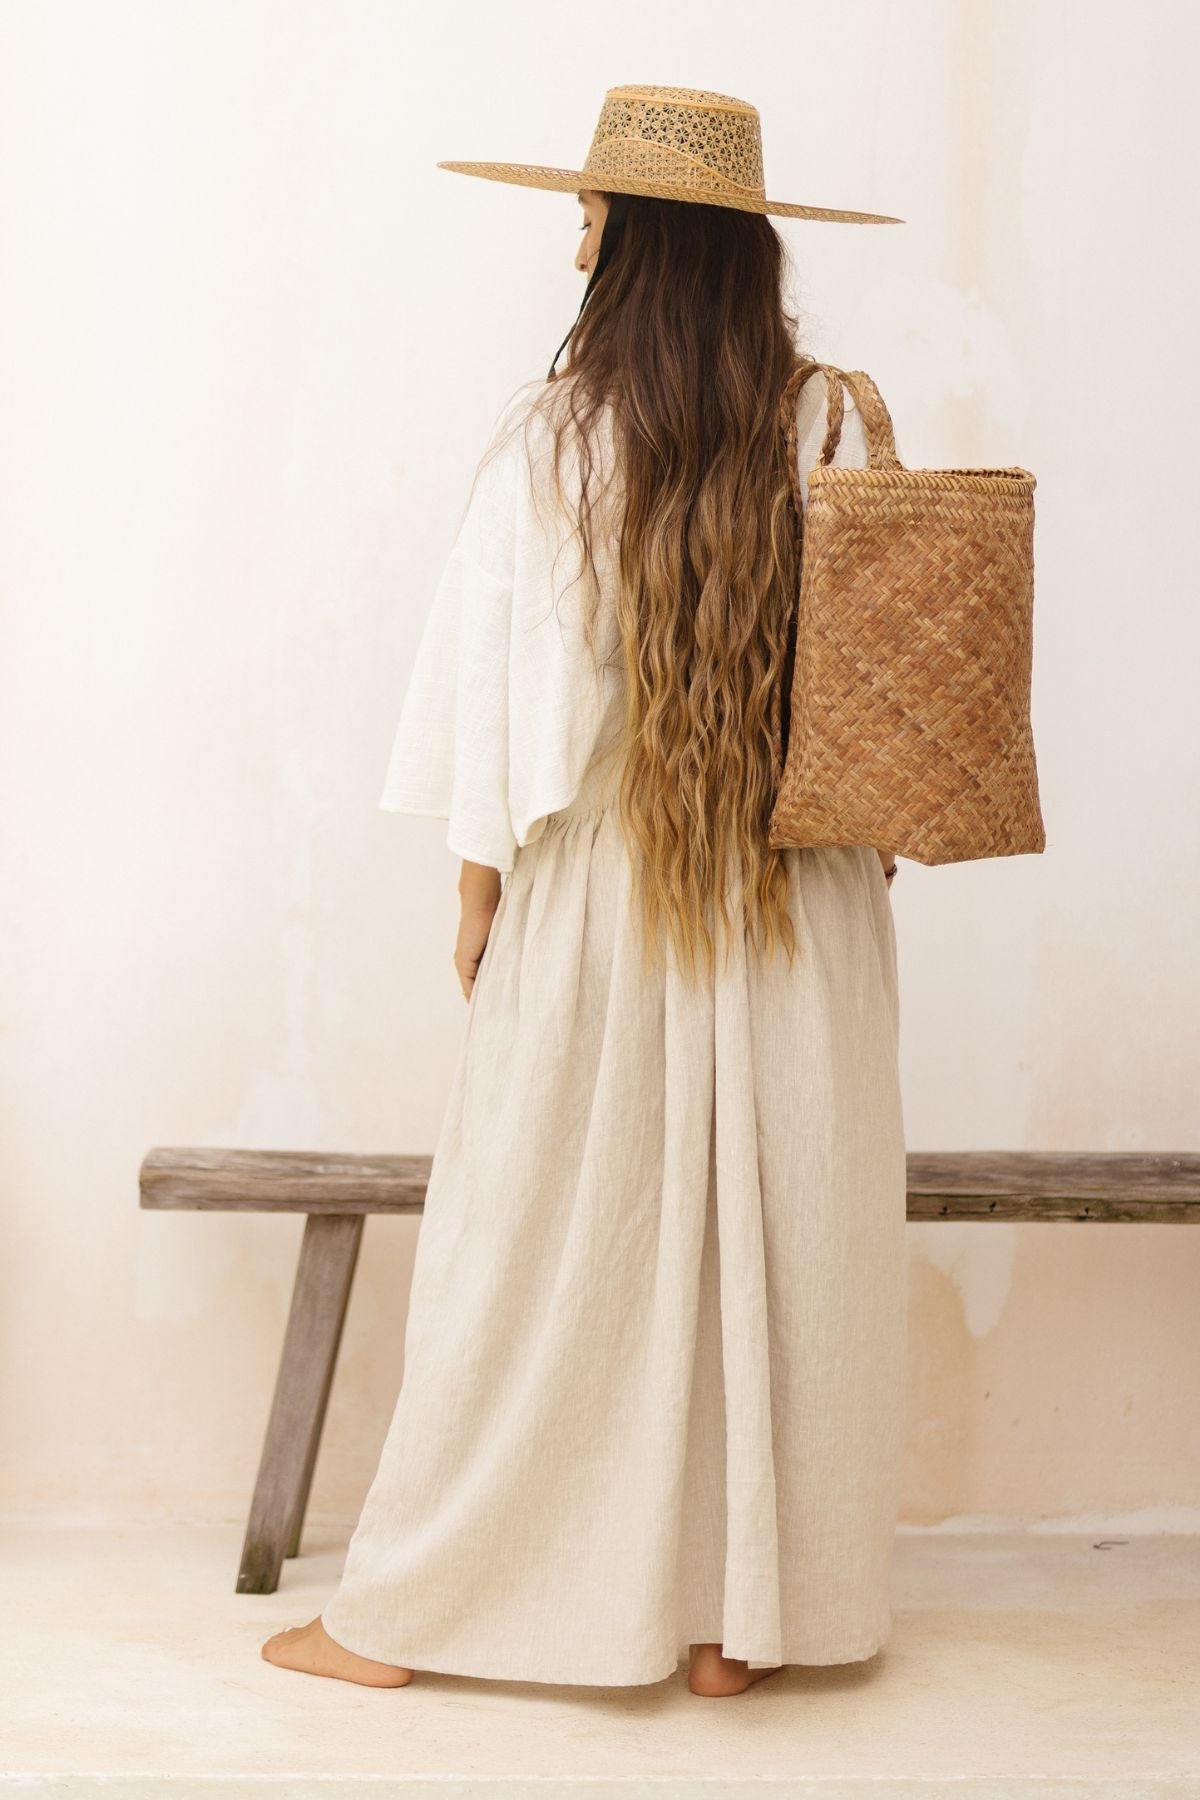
x=877, y=421
x=881, y=454
x=788, y=413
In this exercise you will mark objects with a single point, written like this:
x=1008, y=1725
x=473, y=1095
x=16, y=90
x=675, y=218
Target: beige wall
x=251, y=341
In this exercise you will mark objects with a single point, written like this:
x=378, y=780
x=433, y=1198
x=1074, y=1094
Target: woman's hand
x=887, y=860
x=479, y=892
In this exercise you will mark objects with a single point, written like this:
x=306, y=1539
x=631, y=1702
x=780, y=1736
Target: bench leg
x=328, y=1254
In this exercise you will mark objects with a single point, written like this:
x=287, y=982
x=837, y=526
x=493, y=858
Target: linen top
x=506, y=704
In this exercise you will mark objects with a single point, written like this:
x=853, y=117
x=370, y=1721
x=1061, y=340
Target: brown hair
x=686, y=344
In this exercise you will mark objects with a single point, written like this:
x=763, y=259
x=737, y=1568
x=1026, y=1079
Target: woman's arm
x=479, y=893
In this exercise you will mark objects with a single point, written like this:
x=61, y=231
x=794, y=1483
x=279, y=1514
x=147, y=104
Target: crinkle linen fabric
x=653, y=1387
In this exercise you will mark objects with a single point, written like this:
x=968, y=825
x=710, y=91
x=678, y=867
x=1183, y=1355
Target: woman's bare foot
x=311, y=1649
x=713, y=1674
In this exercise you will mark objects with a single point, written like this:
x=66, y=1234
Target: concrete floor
x=1017, y=1664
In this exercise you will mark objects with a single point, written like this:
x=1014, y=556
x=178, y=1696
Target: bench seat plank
x=1047, y=1185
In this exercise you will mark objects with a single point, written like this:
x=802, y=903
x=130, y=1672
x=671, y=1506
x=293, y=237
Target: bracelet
x=888, y=873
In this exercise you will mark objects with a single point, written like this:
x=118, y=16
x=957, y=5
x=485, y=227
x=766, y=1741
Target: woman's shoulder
x=538, y=439
x=508, y=466
x=520, y=444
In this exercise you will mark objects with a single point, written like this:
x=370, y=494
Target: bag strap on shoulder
x=877, y=422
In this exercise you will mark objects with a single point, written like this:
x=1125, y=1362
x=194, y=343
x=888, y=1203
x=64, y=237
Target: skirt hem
x=660, y=1669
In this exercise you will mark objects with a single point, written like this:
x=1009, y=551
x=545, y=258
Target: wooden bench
x=337, y=1192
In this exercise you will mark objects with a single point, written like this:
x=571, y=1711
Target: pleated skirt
x=654, y=1361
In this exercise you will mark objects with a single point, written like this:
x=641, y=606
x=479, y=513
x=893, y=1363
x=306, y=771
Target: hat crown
x=688, y=136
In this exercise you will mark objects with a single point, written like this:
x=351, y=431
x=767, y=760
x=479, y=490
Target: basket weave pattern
x=910, y=689
x=702, y=140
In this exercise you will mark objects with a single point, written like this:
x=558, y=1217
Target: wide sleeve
x=450, y=753
x=507, y=703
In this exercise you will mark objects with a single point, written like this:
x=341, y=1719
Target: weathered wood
x=328, y=1253
x=282, y=1181
x=1100, y=1187
x=1026, y=1185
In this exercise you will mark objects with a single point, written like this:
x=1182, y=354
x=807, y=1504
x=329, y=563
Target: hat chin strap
x=610, y=236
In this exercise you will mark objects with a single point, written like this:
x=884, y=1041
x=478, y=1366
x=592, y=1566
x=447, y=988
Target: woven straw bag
x=902, y=718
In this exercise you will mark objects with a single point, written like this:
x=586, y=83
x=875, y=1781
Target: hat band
x=634, y=159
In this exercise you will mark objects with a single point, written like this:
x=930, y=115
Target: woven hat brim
x=569, y=181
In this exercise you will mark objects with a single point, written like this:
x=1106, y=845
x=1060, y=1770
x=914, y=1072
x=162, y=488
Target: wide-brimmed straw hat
x=674, y=144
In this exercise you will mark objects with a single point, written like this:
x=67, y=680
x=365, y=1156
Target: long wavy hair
x=683, y=346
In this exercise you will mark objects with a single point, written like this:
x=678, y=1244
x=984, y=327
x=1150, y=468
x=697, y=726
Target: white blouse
x=506, y=705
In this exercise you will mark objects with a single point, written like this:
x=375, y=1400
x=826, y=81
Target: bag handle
x=877, y=421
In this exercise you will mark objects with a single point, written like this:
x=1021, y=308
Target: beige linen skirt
x=653, y=1386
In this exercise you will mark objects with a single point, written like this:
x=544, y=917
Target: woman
x=652, y=1394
